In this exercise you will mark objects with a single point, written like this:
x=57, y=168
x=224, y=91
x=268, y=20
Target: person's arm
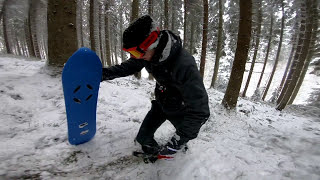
x=126, y=68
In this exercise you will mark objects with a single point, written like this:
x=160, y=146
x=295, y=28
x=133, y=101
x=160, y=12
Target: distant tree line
x=245, y=33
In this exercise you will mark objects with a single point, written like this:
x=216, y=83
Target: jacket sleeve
x=196, y=101
x=126, y=68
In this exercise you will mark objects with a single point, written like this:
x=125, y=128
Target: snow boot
x=176, y=144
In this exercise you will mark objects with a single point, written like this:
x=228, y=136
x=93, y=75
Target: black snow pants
x=153, y=121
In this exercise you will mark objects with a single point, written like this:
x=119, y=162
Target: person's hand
x=104, y=74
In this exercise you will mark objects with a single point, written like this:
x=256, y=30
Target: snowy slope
x=255, y=142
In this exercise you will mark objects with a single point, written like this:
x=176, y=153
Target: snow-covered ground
x=253, y=142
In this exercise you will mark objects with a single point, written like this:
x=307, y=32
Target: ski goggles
x=139, y=51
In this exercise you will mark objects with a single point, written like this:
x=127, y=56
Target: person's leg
x=178, y=141
x=150, y=124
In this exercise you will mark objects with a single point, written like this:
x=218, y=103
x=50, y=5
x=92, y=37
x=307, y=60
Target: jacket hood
x=169, y=45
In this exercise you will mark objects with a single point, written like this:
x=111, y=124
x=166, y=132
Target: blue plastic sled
x=81, y=78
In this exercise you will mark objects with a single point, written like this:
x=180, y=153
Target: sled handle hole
x=84, y=132
x=89, y=86
x=89, y=97
x=83, y=125
x=77, y=100
x=77, y=89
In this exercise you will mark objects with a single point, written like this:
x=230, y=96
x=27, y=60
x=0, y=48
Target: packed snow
x=253, y=142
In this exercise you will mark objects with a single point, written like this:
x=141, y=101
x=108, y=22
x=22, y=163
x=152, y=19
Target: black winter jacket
x=179, y=88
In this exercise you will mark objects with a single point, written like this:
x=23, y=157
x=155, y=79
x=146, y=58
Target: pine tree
x=204, y=37
x=219, y=45
x=244, y=35
x=256, y=47
x=61, y=25
x=278, y=53
x=300, y=55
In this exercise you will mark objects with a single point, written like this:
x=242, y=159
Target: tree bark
x=268, y=49
x=191, y=45
x=33, y=27
x=135, y=10
x=173, y=16
x=29, y=37
x=150, y=7
x=95, y=27
x=300, y=55
x=102, y=30
x=135, y=15
x=278, y=54
x=150, y=12
x=219, y=46
x=28, y=32
x=79, y=23
x=311, y=50
x=5, y=32
x=107, y=35
x=244, y=35
x=293, y=49
x=121, y=30
x=166, y=14
x=91, y=19
x=62, y=34
x=256, y=48
x=204, y=37
x=185, y=15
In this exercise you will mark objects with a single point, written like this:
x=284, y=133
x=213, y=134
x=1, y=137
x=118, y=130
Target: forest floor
x=253, y=142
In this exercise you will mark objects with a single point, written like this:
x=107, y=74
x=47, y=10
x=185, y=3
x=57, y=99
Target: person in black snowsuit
x=180, y=95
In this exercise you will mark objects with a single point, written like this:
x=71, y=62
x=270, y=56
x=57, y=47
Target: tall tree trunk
x=173, y=16
x=166, y=14
x=256, y=48
x=116, y=50
x=161, y=22
x=300, y=55
x=107, y=34
x=33, y=27
x=102, y=32
x=293, y=49
x=61, y=26
x=94, y=27
x=16, y=41
x=91, y=19
x=29, y=37
x=204, y=37
x=191, y=47
x=28, y=32
x=150, y=12
x=25, y=48
x=185, y=25
x=150, y=7
x=121, y=30
x=278, y=54
x=134, y=10
x=41, y=39
x=79, y=23
x=268, y=50
x=135, y=15
x=244, y=35
x=311, y=50
x=5, y=30
x=219, y=46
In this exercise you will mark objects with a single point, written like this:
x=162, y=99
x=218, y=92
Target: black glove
x=104, y=74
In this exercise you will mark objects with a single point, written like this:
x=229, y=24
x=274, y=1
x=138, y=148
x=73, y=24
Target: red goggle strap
x=147, y=42
x=150, y=39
